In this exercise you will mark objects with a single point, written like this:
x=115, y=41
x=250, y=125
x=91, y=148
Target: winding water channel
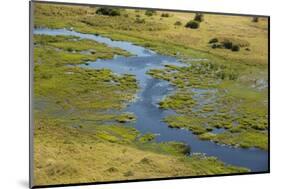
x=149, y=116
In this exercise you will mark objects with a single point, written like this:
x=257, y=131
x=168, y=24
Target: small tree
x=198, y=17
x=255, y=19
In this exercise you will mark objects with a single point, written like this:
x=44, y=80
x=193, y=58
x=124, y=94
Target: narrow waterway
x=149, y=116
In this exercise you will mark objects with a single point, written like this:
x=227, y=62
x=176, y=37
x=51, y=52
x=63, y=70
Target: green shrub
x=235, y=48
x=108, y=11
x=198, y=17
x=178, y=23
x=192, y=24
x=214, y=40
x=150, y=12
x=165, y=15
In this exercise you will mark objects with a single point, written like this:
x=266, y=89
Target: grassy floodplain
x=80, y=134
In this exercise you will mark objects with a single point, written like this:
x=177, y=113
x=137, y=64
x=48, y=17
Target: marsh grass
x=239, y=109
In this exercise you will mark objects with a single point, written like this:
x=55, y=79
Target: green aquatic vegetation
x=180, y=101
x=231, y=104
x=73, y=44
x=126, y=117
x=80, y=87
x=200, y=75
x=147, y=137
x=107, y=137
x=168, y=148
x=207, y=136
x=76, y=87
x=208, y=108
x=125, y=134
x=46, y=55
x=245, y=139
x=48, y=39
x=194, y=124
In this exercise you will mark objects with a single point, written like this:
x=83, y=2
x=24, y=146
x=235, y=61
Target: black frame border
x=31, y=2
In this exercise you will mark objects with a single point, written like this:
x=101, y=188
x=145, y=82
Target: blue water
x=149, y=116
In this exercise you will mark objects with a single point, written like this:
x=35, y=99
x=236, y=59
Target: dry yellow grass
x=65, y=155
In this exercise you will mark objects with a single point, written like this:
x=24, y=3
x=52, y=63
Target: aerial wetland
x=122, y=94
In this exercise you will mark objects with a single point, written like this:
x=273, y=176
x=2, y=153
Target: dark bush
x=255, y=19
x=108, y=11
x=214, y=40
x=227, y=44
x=150, y=12
x=165, y=15
x=198, y=17
x=178, y=23
x=192, y=24
x=235, y=48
